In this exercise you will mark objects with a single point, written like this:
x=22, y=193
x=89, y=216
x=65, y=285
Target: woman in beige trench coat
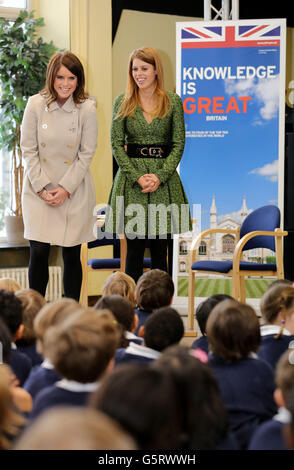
x=58, y=141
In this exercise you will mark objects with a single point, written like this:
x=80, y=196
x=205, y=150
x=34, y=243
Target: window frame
x=11, y=13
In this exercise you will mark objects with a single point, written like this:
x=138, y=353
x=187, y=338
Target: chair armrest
x=196, y=242
x=278, y=233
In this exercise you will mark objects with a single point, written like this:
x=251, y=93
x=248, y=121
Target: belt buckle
x=155, y=151
x=142, y=153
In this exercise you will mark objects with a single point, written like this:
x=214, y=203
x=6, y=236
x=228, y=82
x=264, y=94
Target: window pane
x=13, y=3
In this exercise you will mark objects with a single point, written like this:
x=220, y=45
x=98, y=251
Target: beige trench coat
x=58, y=145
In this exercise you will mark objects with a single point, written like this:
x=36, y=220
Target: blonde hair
x=32, y=302
x=54, y=313
x=6, y=283
x=72, y=428
x=120, y=283
x=131, y=99
x=277, y=299
x=10, y=420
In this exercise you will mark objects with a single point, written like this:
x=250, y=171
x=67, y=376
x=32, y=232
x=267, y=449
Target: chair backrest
x=264, y=218
x=104, y=238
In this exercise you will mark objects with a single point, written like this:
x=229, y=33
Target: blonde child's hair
x=6, y=283
x=120, y=283
x=32, y=302
x=52, y=314
x=277, y=299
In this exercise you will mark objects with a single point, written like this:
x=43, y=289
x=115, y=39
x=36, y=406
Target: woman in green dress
x=147, y=199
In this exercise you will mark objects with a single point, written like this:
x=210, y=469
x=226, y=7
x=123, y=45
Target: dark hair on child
x=32, y=302
x=289, y=428
x=280, y=282
x=163, y=328
x=204, y=308
x=5, y=343
x=284, y=373
x=203, y=415
x=10, y=310
x=155, y=289
x=144, y=402
x=233, y=330
x=279, y=298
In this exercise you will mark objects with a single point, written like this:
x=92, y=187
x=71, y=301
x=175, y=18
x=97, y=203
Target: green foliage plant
x=23, y=61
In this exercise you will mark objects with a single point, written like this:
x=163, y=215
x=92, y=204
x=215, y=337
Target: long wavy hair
x=131, y=100
x=74, y=65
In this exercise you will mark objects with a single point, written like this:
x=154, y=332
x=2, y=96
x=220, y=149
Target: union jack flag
x=250, y=35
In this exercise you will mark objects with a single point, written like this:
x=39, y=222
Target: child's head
x=74, y=428
x=204, y=308
x=155, y=289
x=284, y=377
x=163, y=328
x=203, y=415
x=32, y=302
x=144, y=402
x=277, y=307
x=233, y=330
x=280, y=282
x=120, y=283
x=53, y=314
x=82, y=347
x=123, y=312
x=6, y=283
x=11, y=313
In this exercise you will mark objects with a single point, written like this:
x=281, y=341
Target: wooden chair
x=260, y=229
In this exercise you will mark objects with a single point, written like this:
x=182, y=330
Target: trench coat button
x=43, y=144
x=70, y=147
x=44, y=160
x=46, y=109
x=68, y=162
x=44, y=126
x=74, y=111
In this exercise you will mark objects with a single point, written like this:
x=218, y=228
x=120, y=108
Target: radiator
x=20, y=275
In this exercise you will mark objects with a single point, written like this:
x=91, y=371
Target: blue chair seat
x=225, y=266
x=147, y=263
x=108, y=263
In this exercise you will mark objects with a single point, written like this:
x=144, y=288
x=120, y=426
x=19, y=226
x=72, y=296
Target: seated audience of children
x=155, y=289
x=201, y=315
x=6, y=283
x=270, y=435
x=124, y=314
x=11, y=314
x=246, y=382
x=73, y=428
x=32, y=302
x=277, y=332
x=162, y=329
x=81, y=350
x=51, y=314
x=289, y=428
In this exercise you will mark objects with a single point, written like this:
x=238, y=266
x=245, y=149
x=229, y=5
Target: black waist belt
x=148, y=151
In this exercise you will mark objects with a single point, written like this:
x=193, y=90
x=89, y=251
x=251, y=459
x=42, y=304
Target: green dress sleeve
x=177, y=141
x=118, y=143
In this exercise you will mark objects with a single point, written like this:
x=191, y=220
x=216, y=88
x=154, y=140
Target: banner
x=231, y=78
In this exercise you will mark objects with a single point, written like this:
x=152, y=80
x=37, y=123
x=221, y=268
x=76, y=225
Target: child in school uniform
x=155, y=289
x=202, y=313
x=277, y=332
x=162, y=329
x=32, y=302
x=125, y=315
x=11, y=314
x=81, y=350
x=246, y=382
x=270, y=435
x=51, y=314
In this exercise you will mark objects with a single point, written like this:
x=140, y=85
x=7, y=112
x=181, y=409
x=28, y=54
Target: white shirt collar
x=13, y=346
x=273, y=330
x=47, y=364
x=74, y=386
x=283, y=416
x=143, y=351
x=129, y=335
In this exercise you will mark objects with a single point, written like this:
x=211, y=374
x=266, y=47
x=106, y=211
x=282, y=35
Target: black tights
x=39, y=272
x=135, y=256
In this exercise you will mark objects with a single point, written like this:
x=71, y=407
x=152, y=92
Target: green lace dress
x=166, y=210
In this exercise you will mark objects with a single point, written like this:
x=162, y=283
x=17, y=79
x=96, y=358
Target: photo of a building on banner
x=231, y=81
